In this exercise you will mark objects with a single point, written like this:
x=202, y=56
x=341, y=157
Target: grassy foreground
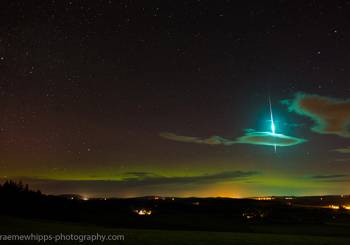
x=9, y=225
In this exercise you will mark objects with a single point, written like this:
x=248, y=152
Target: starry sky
x=132, y=98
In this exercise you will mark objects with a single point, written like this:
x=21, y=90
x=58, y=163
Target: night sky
x=133, y=98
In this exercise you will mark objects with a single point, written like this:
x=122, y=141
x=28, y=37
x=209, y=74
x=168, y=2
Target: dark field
x=159, y=220
x=281, y=235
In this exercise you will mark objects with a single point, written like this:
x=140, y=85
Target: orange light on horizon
x=334, y=206
x=143, y=212
x=347, y=207
x=263, y=198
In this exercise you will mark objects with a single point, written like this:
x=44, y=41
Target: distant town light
x=347, y=207
x=248, y=216
x=143, y=211
x=263, y=198
x=334, y=206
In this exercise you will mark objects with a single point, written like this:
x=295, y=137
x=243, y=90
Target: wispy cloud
x=213, y=140
x=269, y=139
x=331, y=178
x=251, y=137
x=146, y=178
x=345, y=150
x=330, y=115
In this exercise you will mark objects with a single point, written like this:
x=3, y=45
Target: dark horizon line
x=156, y=197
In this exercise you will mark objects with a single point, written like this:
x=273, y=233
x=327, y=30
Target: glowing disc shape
x=269, y=139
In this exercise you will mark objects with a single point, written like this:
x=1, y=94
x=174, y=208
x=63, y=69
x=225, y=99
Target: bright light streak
x=273, y=127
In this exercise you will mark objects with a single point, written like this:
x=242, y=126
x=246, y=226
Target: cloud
x=214, y=140
x=345, y=150
x=141, y=174
x=152, y=179
x=330, y=115
x=267, y=138
x=133, y=182
x=249, y=130
x=329, y=176
x=250, y=137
